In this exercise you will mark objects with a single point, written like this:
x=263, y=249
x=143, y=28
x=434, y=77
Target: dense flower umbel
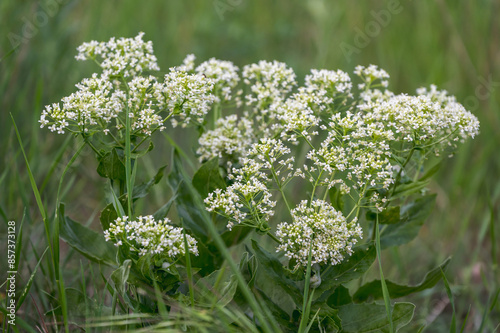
x=319, y=227
x=147, y=236
x=224, y=74
x=103, y=101
x=124, y=56
x=231, y=138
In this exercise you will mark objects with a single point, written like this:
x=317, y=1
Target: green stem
x=315, y=185
x=274, y=238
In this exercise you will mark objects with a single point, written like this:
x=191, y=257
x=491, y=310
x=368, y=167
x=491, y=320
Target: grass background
x=452, y=43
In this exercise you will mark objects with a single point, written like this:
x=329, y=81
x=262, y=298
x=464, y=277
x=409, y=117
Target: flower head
x=320, y=228
x=125, y=57
x=146, y=236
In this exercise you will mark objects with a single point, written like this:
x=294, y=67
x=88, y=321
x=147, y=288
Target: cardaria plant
x=330, y=172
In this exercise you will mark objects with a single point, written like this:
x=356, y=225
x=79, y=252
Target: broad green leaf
x=109, y=215
x=273, y=268
x=390, y=215
x=120, y=278
x=208, y=178
x=339, y=297
x=217, y=288
x=373, y=291
x=86, y=241
x=281, y=316
x=336, y=199
x=189, y=204
x=372, y=317
x=413, y=216
x=236, y=235
x=351, y=268
x=111, y=165
x=248, y=267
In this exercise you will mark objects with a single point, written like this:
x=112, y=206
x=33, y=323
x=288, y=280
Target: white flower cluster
x=147, y=236
x=319, y=228
x=188, y=95
x=358, y=151
x=230, y=138
x=121, y=57
x=324, y=86
x=371, y=74
x=103, y=101
x=269, y=83
x=93, y=104
x=248, y=199
x=426, y=122
x=225, y=76
x=297, y=118
x=267, y=155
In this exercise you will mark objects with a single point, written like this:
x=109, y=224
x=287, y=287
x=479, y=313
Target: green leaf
x=413, y=216
x=142, y=190
x=407, y=189
x=86, y=241
x=372, y=317
x=190, y=206
x=140, y=153
x=161, y=213
x=208, y=178
x=431, y=172
x=373, y=290
x=111, y=165
x=390, y=215
x=336, y=199
x=217, y=288
x=339, y=297
x=351, y=268
x=273, y=268
x=281, y=316
x=120, y=278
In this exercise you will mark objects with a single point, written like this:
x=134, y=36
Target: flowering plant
x=332, y=172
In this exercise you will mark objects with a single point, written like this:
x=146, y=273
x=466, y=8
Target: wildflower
x=225, y=76
x=187, y=64
x=230, y=138
x=87, y=109
x=146, y=236
x=125, y=57
x=269, y=83
x=371, y=74
x=187, y=96
x=247, y=200
x=320, y=228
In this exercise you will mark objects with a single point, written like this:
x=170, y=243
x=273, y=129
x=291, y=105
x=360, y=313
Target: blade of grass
x=43, y=212
x=465, y=320
x=188, y=266
x=30, y=282
x=453, y=325
x=385, y=291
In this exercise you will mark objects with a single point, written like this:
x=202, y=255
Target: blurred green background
x=452, y=43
